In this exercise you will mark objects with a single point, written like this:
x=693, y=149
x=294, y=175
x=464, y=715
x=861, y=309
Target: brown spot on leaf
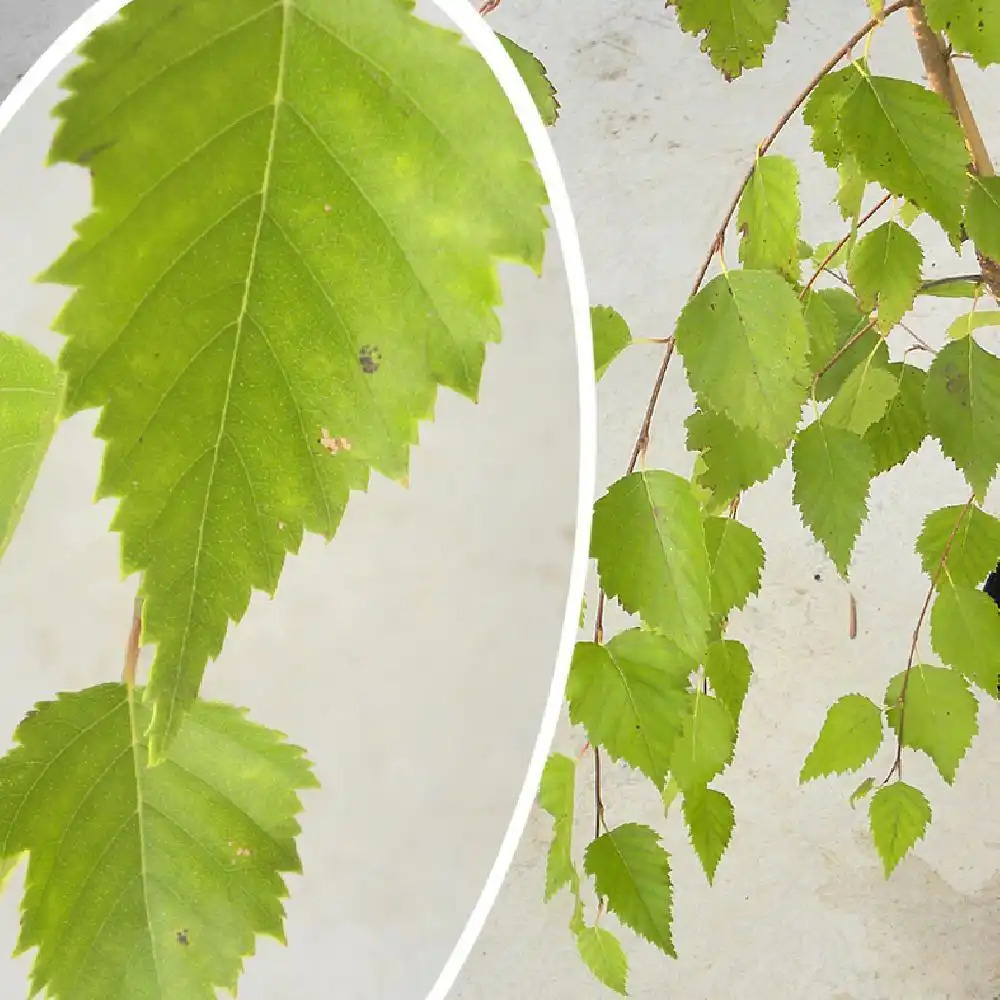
x=333, y=444
x=370, y=358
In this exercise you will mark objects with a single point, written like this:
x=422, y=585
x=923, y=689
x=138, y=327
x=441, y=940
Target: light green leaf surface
x=147, y=884
x=706, y=743
x=536, y=79
x=885, y=272
x=728, y=669
x=972, y=26
x=833, y=473
x=710, y=819
x=734, y=458
x=603, y=954
x=982, y=214
x=864, y=397
x=902, y=428
x=968, y=551
x=294, y=242
x=631, y=870
x=956, y=288
x=744, y=342
x=851, y=189
x=769, y=215
x=850, y=737
x=611, y=337
x=648, y=538
x=940, y=717
x=736, y=557
x=861, y=791
x=966, y=323
x=962, y=402
x=965, y=633
x=556, y=796
x=734, y=33
x=823, y=109
x=905, y=138
x=899, y=815
x=631, y=697
x=30, y=389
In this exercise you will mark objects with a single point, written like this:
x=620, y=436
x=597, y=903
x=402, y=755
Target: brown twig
x=897, y=764
x=851, y=341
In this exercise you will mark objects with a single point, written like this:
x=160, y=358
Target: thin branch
x=851, y=341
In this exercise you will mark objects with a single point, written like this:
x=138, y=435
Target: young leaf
x=769, y=217
x=973, y=548
x=965, y=633
x=861, y=791
x=952, y=288
x=710, y=819
x=556, y=797
x=972, y=26
x=833, y=474
x=850, y=737
x=736, y=557
x=962, y=401
x=30, y=397
x=735, y=32
x=899, y=815
x=631, y=697
x=982, y=214
x=313, y=248
x=535, y=78
x=611, y=337
x=144, y=881
x=823, y=109
x=905, y=138
x=706, y=743
x=648, y=538
x=885, y=272
x=864, y=397
x=632, y=872
x=940, y=716
x=744, y=342
x=903, y=427
x=734, y=458
x=965, y=324
x=728, y=669
x=603, y=954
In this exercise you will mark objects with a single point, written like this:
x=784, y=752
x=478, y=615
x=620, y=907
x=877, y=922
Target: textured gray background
x=411, y=657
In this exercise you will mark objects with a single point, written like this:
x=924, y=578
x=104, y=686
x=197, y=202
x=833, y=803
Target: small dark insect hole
x=370, y=358
x=182, y=937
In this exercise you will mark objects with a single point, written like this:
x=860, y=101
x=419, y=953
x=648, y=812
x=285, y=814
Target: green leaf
x=850, y=191
x=556, y=797
x=285, y=268
x=940, y=717
x=603, y=954
x=885, y=272
x=964, y=325
x=734, y=33
x=971, y=548
x=850, y=737
x=962, y=401
x=147, y=882
x=535, y=78
x=736, y=557
x=982, y=214
x=710, y=819
x=611, y=337
x=706, y=743
x=632, y=872
x=905, y=138
x=30, y=398
x=734, y=458
x=908, y=213
x=899, y=815
x=903, y=427
x=631, y=697
x=744, y=342
x=728, y=669
x=840, y=250
x=769, y=216
x=864, y=397
x=861, y=791
x=972, y=26
x=833, y=473
x=965, y=633
x=952, y=288
x=823, y=109
x=648, y=538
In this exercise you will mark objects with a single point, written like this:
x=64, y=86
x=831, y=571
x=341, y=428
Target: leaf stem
x=132, y=645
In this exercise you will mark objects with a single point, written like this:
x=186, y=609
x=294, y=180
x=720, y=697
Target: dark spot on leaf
x=182, y=937
x=370, y=358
